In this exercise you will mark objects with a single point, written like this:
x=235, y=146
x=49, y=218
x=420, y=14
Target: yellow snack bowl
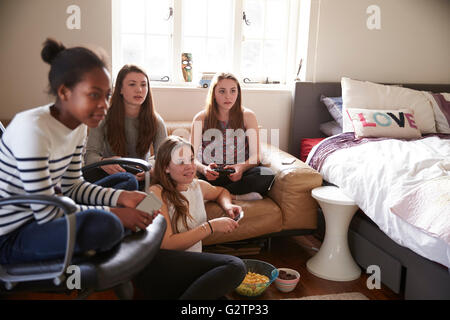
x=260, y=275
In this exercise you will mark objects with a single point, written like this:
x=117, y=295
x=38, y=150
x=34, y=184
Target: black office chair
x=110, y=270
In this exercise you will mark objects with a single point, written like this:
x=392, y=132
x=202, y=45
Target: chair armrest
x=68, y=206
x=144, y=165
x=292, y=186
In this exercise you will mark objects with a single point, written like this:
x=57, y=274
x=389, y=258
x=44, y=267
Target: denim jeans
x=121, y=180
x=96, y=229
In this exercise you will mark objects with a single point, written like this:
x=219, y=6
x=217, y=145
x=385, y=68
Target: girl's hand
x=140, y=176
x=130, y=199
x=223, y=225
x=233, y=210
x=133, y=219
x=209, y=173
x=112, y=168
x=238, y=171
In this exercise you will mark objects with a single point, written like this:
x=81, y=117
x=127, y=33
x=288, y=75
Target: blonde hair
x=236, y=119
x=170, y=194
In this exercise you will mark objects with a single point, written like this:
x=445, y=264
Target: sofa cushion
x=261, y=217
x=179, y=128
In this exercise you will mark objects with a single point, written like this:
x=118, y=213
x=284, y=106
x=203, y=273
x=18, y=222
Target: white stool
x=334, y=260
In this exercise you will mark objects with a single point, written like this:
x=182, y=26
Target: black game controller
x=131, y=169
x=224, y=171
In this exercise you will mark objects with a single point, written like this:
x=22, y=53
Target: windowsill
x=192, y=86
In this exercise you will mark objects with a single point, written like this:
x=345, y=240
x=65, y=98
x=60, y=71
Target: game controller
x=224, y=171
x=239, y=216
x=131, y=169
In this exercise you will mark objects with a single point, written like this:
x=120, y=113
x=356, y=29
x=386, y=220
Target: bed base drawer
x=366, y=254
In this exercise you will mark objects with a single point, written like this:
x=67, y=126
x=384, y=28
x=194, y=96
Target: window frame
x=176, y=78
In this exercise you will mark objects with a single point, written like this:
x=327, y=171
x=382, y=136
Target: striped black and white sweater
x=39, y=155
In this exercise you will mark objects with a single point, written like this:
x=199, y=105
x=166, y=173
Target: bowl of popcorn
x=260, y=275
x=287, y=279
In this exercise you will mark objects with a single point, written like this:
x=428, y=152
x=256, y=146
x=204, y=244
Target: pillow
x=306, y=145
x=384, y=123
x=330, y=128
x=334, y=106
x=441, y=108
x=369, y=95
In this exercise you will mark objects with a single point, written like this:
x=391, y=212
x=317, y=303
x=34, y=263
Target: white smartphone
x=239, y=216
x=150, y=203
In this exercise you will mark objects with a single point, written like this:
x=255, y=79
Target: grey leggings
x=190, y=275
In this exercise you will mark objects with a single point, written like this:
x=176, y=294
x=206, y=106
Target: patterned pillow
x=334, y=106
x=384, y=123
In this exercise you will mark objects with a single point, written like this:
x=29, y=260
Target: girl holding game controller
x=130, y=127
x=224, y=159
x=209, y=275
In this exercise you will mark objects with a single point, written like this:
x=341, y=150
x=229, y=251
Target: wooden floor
x=294, y=252
x=291, y=252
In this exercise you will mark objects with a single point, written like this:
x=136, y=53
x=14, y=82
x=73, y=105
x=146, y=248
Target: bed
x=413, y=263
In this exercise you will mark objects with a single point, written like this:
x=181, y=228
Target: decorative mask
x=186, y=66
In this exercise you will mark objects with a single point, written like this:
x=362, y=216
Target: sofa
x=288, y=208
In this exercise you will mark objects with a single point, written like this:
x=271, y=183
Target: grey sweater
x=97, y=146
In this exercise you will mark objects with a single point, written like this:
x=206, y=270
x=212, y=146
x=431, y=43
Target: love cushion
x=383, y=123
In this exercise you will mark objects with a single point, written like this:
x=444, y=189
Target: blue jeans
x=121, y=180
x=97, y=230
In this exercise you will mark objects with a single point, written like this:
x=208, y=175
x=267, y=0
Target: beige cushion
x=179, y=128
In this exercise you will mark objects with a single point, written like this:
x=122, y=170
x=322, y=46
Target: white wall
x=24, y=26
x=412, y=45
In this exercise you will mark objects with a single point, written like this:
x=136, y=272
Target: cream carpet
x=337, y=296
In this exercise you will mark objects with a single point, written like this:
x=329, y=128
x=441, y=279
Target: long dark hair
x=236, y=119
x=170, y=193
x=115, y=125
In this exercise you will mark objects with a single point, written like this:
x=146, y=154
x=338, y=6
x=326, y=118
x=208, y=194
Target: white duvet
x=392, y=181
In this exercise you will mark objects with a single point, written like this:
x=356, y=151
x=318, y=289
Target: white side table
x=334, y=260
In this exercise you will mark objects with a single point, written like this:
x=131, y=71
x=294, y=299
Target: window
x=250, y=38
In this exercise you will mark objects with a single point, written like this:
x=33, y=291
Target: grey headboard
x=308, y=112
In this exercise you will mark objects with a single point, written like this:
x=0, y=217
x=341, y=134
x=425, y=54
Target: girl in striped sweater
x=41, y=153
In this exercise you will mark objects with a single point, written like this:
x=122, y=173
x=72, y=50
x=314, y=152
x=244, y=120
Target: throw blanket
x=395, y=181
x=347, y=140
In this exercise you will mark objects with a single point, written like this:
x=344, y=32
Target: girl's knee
x=237, y=268
x=100, y=230
x=128, y=182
